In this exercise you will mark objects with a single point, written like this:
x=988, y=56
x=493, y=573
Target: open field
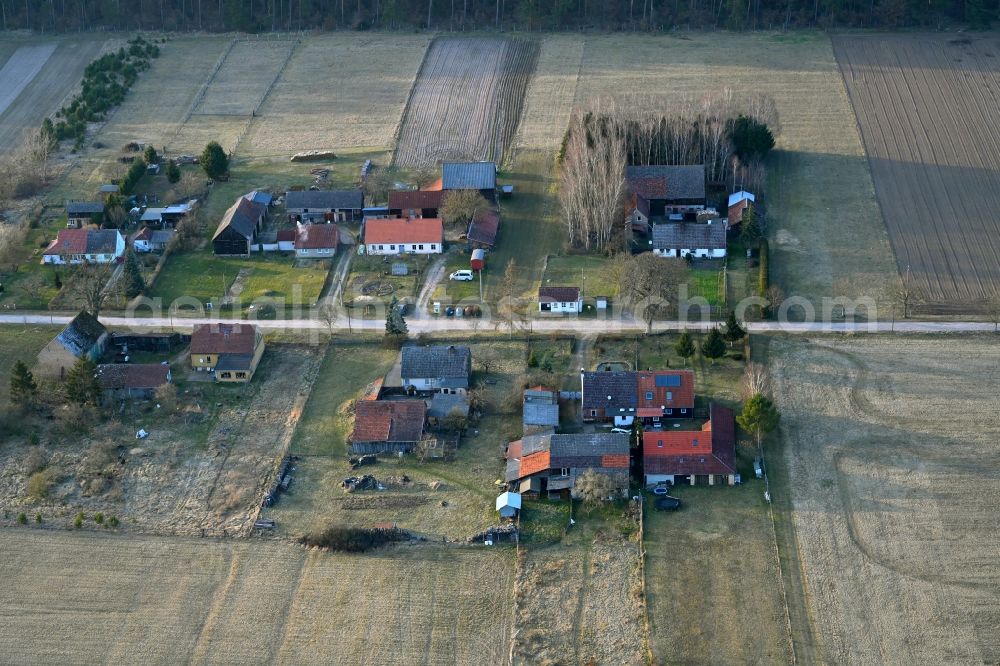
x=338, y=91
x=37, y=77
x=466, y=101
x=248, y=71
x=713, y=586
x=926, y=107
x=161, y=600
x=891, y=448
x=827, y=235
x=549, y=99
x=20, y=343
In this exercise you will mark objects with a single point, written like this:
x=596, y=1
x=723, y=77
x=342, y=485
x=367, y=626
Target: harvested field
x=926, y=105
x=199, y=130
x=37, y=78
x=466, y=102
x=246, y=75
x=580, y=604
x=338, y=91
x=828, y=237
x=891, y=447
x=551, y=93
x=240, y=602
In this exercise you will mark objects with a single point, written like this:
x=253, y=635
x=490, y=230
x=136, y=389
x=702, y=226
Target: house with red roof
x=549, y=464
x=85, y=246
x=231, y=351
x=706, y=456
x=403, y=236
x=415, y=203
x=316, y=241
x=387, y=426
x=649, y=396
x=560, y=300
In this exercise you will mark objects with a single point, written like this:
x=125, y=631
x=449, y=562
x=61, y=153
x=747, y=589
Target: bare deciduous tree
x=907, y=292
x=756, y=379
x=458, y=207
x=90, y=286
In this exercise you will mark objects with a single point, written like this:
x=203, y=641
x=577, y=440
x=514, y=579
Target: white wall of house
x=572, y=307
x=286, y=246
x=699, y=253
x=141, y=246
x=408, y=248
x=421, y=384
x=320, y=253
x=653, y=479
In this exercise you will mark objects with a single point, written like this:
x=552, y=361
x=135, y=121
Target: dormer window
x=694, y=442
x=649, y=395
x=659, y=444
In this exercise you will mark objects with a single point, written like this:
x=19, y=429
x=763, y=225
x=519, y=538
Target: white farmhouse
x=422, y=235
x=564, y=300
x=688, y=238
x=78, y=246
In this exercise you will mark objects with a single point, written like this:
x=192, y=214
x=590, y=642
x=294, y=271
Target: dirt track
x=466, y=102
x=926, y=106
x=892, y=450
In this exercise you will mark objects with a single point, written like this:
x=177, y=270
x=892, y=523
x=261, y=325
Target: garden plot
x=891, y=447
x=338, y=91
x=926, y=106
x=466, y=102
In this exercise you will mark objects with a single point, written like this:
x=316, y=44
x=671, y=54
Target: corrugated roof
x=668, y=182
x=742, y=195
x=396, y=231
x=541, y=414
x=388, y=421
x=468, y=176
x=443, y=404
x=689, y=235
x=132, y=375
x=325, y=199
x=103, y=241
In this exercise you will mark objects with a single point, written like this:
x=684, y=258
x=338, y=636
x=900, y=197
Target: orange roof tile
x=394, y=231
x=615, y=460
x=679, y=396
x=534, y=463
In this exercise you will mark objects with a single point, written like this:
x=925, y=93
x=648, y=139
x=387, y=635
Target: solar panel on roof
x=668, y=380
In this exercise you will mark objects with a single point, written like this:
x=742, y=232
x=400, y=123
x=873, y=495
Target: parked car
x=660, y=490
x=449, y=311
x=462, y=276
x=758, y=467
x=667, y=503
x=621, y=431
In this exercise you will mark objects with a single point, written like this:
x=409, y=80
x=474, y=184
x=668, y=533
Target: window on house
x=225, y=375
x=656, y=419
x=241, y=375
x=649, y=395
x=670, y=395
x=659, y=444
x=684, y=411
x=593, y=412
x=392, y=247
x=564, y=471
x=421, y=247
x=694, y=442
x=305, y=210
x=434, y=246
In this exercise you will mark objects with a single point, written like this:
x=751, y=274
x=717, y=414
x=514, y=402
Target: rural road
x=428, y=324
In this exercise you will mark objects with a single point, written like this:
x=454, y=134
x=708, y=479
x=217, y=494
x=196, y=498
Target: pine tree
x=82, y=386
x=173, y=172
x=734, y=330
x=684, y=346
x=759, y=416
x=132, y=272
x=214, y=161
x=23, y=388
x=395, y=323
x=713, y=346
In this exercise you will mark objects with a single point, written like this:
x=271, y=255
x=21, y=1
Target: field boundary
x=255, y=112
x=409, y=100
x=200, y=94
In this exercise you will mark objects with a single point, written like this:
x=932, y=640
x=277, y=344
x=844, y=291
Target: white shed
x=508, y=504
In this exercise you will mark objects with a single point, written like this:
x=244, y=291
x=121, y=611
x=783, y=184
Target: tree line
x=648, y=15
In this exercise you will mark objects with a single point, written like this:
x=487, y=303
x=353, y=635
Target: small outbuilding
x=508, y=504
x=478, y=260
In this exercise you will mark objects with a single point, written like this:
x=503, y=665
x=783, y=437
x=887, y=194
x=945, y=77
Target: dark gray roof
x=109, y=188
x=442, y=404
x=80, y=336
x=667, y=181
x=541, y=414
x=468, y=176
x=440, y=361
x=323, y=199
x=242, y=217
x=233, y=363
x=689, y=235
x=558, y=294
x=621, y=386
x=162, y=236
x=102, y=241
x=593, y=444
x=84, y=207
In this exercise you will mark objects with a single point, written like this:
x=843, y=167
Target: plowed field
x=927, y=108
x=466, y=102
x=892, y=451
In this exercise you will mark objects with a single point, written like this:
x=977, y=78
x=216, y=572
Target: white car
x=461, y=276
x=622, y=431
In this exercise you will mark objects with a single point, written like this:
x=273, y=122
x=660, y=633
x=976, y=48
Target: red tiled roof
x=681, y=397
x=285, y=235
x=534, y=463
x=388, y=420
x=615, y=461
x=436, y=186
x=711, y=450
x=317, y=236
x=404, y=199
x=144, y=234
x=69, y=241
x=514, y=449
x=649, y=187
x=223, y=339
x=132, y=375
x=394, y=231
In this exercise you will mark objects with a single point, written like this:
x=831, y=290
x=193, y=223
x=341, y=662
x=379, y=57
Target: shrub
x=113, y=522
x=35, y=460
x=78, y=521
x=22, y=518
x=41, y=483
x=763, y=280
x=99, y=518
x=352, y=539
x=38, y=517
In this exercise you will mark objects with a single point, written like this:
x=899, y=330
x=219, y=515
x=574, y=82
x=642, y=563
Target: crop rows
x=927, y=111
x=466, y=102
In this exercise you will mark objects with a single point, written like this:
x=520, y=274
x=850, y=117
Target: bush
x=38, y=517
x=736, y=356
x=99, y=518
x=41, y=483
x=352, y=539
x=113, y=522
x=22, y=518
x=78, y=521
x=35, y=460
x=763, y=280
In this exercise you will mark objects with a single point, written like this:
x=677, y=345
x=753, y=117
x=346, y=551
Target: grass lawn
x=708, y=284
x=366, y=270
x=203, y=276
x=20, y=343
x=586, y=271
x=454, y=291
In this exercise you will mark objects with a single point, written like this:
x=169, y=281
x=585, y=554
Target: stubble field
x=926, y=106
x=466, y=101
x=154, y=600
x=891, y=447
